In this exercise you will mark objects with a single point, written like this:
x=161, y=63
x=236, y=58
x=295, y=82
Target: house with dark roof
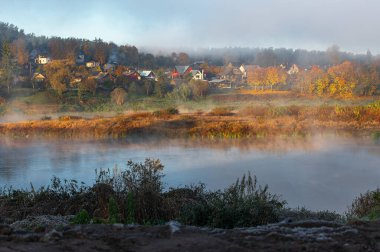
x=132, y=75
x=232, y=74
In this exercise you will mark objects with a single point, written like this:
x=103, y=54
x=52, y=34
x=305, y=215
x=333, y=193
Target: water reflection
x=320, y=172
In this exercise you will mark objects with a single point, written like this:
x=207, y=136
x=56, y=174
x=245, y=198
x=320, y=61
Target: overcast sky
x=308, y=24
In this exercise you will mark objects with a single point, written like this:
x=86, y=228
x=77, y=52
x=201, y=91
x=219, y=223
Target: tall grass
x=137, y=195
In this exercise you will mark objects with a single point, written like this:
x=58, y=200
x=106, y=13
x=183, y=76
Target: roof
x=145, y=73
x=181, y=69
x=38, y=76
x=195, y=72
x=217, y=81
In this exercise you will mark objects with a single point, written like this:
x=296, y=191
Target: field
x=33, y=104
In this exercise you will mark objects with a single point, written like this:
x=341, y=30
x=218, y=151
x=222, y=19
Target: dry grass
x=263, y=92
x=249, y=122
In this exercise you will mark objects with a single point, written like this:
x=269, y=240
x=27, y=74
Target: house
x=92, y=64
x=247, y=71
x=38, y=77
x=232, y=74
x=109, y=67
x=181, y=71
x=80, y=59
x=197, y=75
x=148, y=75
x=132, y=75
x=41, y=60
x=104, y=77
x=293, y=70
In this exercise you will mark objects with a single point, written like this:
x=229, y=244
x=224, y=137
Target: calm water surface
x=323, y=172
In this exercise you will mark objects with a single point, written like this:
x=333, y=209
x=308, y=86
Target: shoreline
x=192, y=125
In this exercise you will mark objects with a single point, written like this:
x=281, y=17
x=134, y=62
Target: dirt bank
x=286, y=236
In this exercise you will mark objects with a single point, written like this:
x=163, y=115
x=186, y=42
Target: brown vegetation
x=249, y=122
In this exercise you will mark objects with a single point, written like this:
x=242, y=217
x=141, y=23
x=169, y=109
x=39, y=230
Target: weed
x=113, y=211
x=81, y=218
x=367, y=205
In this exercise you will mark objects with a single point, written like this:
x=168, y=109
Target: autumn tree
x=58, y=76
x=368, y=77
x=274, y=76
x=87, y=85
x=256, y=77
x=100, y=52
x=318, y=81
x=343, y=79
x=18, y=48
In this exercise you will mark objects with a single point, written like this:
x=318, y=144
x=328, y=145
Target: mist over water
x=324, y=172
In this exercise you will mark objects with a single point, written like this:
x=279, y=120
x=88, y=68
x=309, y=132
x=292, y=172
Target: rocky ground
x=52, y=233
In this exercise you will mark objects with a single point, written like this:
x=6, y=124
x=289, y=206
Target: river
x=322, y=172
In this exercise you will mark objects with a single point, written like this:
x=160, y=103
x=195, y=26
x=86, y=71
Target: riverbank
x=285, y=236
x=219, y=123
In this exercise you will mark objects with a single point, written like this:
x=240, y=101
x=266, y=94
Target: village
x=228, y=76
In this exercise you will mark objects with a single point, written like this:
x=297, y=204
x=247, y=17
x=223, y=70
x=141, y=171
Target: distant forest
x=27, y=46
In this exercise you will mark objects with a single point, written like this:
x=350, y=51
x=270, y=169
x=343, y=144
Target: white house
x=92, y=64
x=41, y=60
x=197, y=75
x=293, y=69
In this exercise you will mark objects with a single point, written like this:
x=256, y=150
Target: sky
x=170, y=24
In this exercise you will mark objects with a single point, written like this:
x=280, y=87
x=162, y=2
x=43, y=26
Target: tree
x=183, y=59
x=58, y=75
x=199, y=88
x=87, y=85
x=256, y=77
x=101, y=53
x=343, y=79
x=118, y=96
x=272, y=77
x=333, y=54
x=148, y=86
x=6, y=65
x=19, y=51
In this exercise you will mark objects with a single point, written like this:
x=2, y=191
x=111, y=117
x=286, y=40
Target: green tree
x=58, y=76
x=6, y=66
x=199, y=88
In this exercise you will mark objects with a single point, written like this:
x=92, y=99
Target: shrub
x=118, y=96
x=137, y=189
x=166, y=112
x=81, y=218
x=259, y=111
x=221, y=111
x=68, y=118
x=242, y=204
x=366, y=206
